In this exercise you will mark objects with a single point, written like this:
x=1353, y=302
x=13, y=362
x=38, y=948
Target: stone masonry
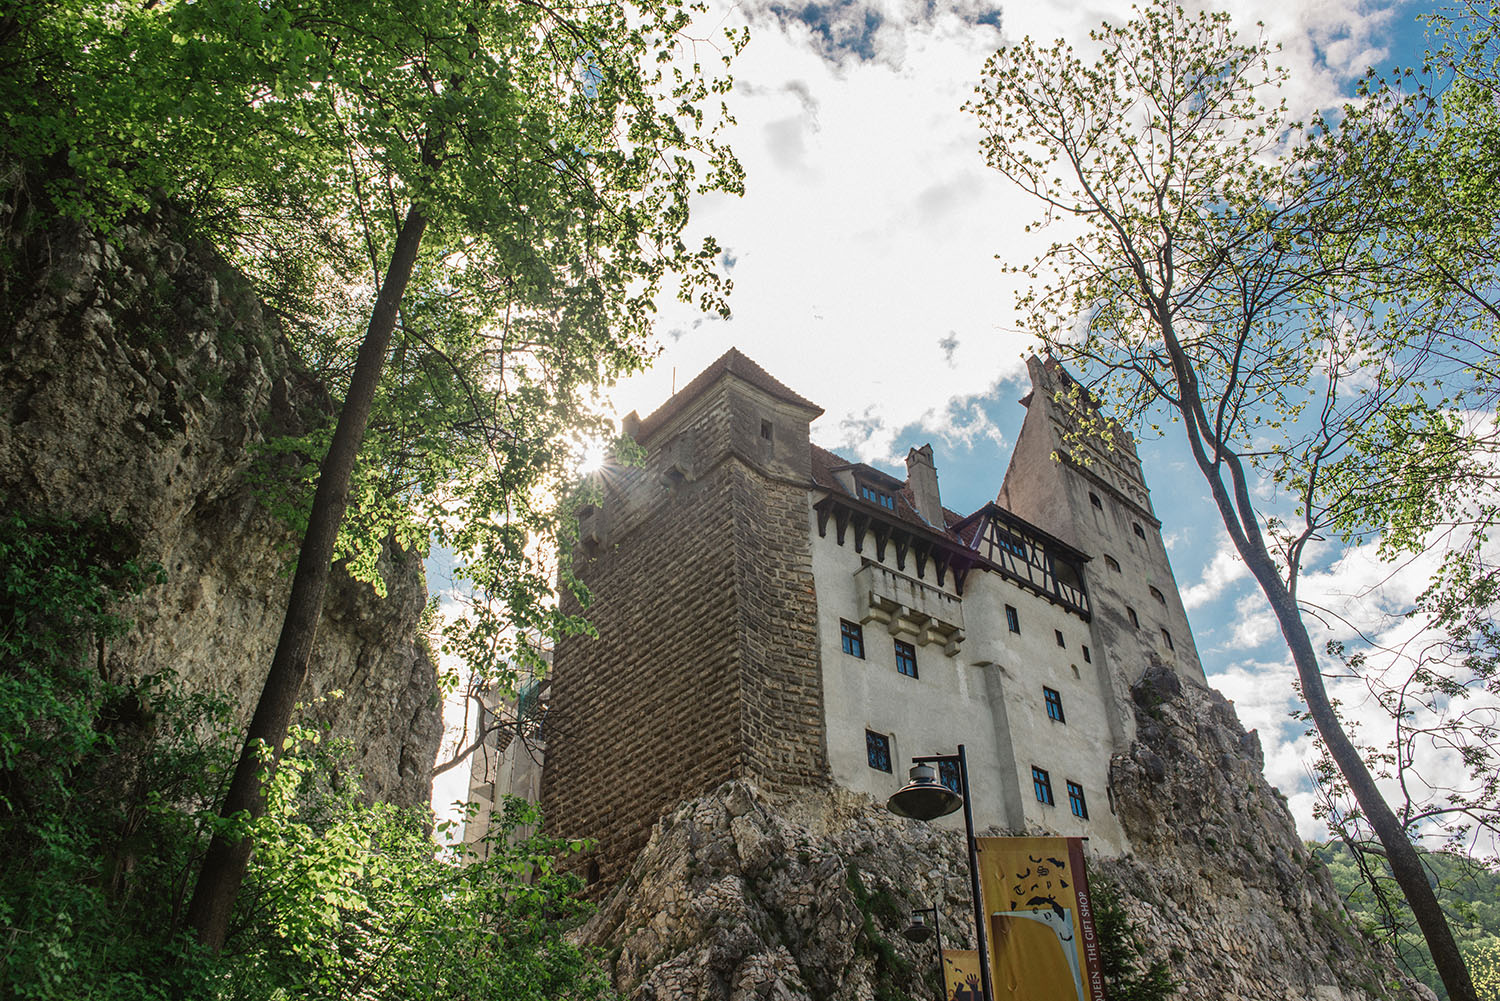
x=706, y=661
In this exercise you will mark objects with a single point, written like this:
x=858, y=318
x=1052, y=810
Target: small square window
x=1094, y=500
x=1168, y=637
x=1053, y=699
x=906, y=659
x=1160, y=598
x=1041, y=783
x=1140, y=533
x=948, y=775
x=1012, y=618
x=767, y=431
x=1076, y=802
x=853, y=638
x=1060, y=641
x=1134, y=619
x=1112, y=563
x=1087, y=658
x=878, y=751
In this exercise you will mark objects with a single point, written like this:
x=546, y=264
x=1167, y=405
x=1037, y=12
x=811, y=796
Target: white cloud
x=1224, y=569
x=865, y=272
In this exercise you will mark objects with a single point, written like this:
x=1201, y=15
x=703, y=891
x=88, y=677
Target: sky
x=867, y=257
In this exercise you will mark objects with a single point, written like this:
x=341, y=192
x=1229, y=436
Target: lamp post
x=920, y=931
x=925, y=798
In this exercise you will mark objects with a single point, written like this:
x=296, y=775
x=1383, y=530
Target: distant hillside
x=1470, y=895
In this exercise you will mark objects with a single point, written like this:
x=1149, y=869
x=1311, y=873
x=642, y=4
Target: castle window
x=1076, y=802
x=878, y=751
x=1053, y=699
x=1042, y=784
x=1135, y=620
x=1112, y=563
x=1010, y=543
x=1012, y=618
x=1160, y=598
x=1140, y=533
x=1060, y=642
x=1094, y=500
x=948, y=775
x=1168, y=637
x=767, y=430
x=1087, y=659
x=906, y=659
x=853, y=638
x=869, y=493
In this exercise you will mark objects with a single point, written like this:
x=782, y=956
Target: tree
x=1215, y=267
x=515, y=177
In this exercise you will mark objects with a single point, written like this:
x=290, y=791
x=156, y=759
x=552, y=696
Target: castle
x=771, y=611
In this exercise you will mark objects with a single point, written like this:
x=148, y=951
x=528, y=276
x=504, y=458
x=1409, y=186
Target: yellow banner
x=1040, y=920
x=961, y=975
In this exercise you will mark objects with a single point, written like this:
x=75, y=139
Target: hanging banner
x=1040, y=919
x=961, y=975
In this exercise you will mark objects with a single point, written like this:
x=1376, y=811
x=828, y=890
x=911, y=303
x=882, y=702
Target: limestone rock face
x=1219, y=883
x=736, y=898
x=138, y=379
x=740, y=897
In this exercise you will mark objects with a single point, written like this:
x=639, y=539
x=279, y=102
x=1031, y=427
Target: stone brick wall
x=781, y=675
x=706, y=666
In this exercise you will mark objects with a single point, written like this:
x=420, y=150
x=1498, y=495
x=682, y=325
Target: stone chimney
x=921, y=476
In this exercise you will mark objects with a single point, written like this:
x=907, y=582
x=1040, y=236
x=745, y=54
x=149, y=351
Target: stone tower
x=1091, y=493
x=706, y=664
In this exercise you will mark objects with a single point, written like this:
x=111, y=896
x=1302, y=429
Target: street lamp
x=925, y=798
x=920, y=931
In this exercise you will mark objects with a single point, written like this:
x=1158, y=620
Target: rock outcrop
x=138, y=381
x=738, y=897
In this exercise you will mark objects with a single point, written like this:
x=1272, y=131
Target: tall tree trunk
x=224, y=866
x=1406, y=864
x=1239, y=517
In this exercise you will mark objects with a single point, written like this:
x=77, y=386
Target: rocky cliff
x=738, y=897
x=138, y=380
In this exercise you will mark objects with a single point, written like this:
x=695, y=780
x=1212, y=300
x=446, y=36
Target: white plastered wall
x=987, y=696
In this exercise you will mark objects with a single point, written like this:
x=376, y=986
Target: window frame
x=1013, y=619
x=1041, y=786
x=877, y=744
x=1087, y=657
x=906, y=655
x=875, y=495
x=1059, y=636
x=1140, y=533
x=1135, y=620
x=1156, y=593
x=1112, y=563
x=1053, y=699
x=1077, y=801
x=1095, y=501
x=852, y=638
x=1168, y=637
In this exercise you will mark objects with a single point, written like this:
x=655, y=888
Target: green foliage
x=1128, y=975
x=108, y=792
x=553, y=152
x=60, y=582
x=1470, y=894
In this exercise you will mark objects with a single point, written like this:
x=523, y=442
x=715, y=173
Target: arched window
x=1161, y=598
x=1112, y=563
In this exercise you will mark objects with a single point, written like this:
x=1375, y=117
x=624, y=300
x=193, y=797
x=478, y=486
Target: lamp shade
x=924, y=797
x=919, y=930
